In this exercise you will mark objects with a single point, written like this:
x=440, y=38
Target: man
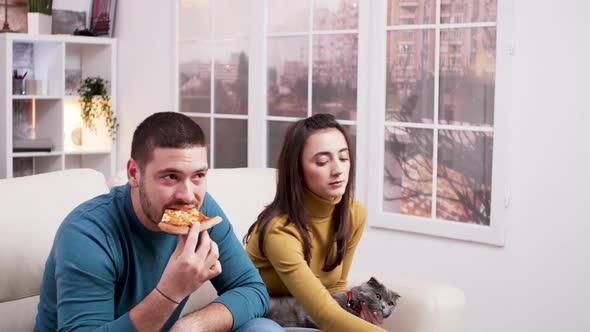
x=112, y=269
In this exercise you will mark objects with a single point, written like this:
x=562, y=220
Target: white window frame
x=371, y=78
x=260, y=155
x=254, y=57
x=493, y=234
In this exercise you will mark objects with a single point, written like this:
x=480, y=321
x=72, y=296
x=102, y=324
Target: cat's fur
x=289, y=313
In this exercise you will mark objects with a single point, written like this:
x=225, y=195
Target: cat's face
x=376, y=296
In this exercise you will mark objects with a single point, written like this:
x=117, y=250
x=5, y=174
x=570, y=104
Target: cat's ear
x=373, y=282
x=395, y=295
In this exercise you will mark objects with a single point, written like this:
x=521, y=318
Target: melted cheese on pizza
x=183, y=217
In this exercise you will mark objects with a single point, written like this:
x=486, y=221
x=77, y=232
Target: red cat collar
x=351, y=305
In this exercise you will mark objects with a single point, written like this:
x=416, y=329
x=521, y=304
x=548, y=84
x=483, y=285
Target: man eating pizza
x=112, y=268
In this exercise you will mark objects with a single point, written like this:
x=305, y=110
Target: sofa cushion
x=32, y=209
x=242, y=193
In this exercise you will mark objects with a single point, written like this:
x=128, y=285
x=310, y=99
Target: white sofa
x=33, y=208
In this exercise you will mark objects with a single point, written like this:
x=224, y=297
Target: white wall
x=144, y=31
x=537, y=281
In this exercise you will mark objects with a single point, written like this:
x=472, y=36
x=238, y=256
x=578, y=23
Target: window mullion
x=310, y=59
x=436, y=108
x=257, y=83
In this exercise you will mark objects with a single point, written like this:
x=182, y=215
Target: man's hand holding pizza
x=188, y=269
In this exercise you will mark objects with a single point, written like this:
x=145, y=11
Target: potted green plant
x=39, y=16
x=95, y=104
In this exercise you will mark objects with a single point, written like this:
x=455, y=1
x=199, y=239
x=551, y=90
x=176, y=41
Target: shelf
x=78, y=96
x=87, y=151
x=54, y=65
x=35, y=154
x=19, y=37
x=26, y=97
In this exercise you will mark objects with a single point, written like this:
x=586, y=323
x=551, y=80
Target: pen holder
x=18, y=86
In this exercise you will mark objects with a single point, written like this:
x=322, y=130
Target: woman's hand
x=375, y=318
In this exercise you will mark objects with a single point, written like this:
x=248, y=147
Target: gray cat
x=289, y=313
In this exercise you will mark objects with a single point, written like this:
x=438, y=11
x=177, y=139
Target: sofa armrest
x=424, y=306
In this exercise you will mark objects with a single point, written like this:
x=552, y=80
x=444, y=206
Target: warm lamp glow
x=75, y=132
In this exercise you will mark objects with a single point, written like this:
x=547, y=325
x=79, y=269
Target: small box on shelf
x=36, y=87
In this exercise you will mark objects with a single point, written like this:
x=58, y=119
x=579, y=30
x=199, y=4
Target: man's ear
x=133, y=173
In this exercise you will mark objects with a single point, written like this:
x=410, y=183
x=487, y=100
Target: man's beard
x=152, y=212
x=148, y=208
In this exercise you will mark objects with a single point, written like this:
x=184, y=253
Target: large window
x=436, y=113
x=421, y=85
x=213, y=57
x=312, y=56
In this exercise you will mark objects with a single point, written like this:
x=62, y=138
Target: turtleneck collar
x=318, y=207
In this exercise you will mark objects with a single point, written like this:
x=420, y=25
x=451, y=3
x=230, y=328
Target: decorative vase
x=39, y=24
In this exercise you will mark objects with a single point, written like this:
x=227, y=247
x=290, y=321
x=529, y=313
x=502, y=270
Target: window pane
x=404, y=12
x=231, y=143
x=410, y=76
x=232, y=17
x=287, y=76
x=288, y=15
x=407, y=186
x=335, y=14
x=195, y=20
x=467, y=76
x=276, y=136
x=468, y=11
x=205, y=124
x=195, y=76
x=335, y=75
x=231, y=77
x=464, y=176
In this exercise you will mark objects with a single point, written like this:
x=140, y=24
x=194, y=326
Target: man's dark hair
x=164, y=130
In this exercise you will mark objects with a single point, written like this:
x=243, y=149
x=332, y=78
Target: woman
x=304, y=241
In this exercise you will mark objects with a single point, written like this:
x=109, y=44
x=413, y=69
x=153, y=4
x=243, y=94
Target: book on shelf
x=32, y=145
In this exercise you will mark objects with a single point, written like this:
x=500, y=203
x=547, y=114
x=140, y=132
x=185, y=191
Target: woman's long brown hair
x=289, y=195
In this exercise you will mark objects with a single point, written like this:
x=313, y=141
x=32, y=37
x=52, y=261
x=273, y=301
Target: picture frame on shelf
x=22, y=119
x=102, y=21
x=73, y=81
x=16, y=12
x=22, y=57
x=65, y=22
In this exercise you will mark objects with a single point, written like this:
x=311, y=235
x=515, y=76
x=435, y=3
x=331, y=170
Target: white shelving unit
x=52, y=112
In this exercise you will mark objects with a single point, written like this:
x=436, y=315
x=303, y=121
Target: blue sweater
x=104, y=261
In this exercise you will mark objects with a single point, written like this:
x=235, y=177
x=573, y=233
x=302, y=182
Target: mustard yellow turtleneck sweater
x=285, y=271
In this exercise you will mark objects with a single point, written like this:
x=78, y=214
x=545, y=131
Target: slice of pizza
x=180, y=221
